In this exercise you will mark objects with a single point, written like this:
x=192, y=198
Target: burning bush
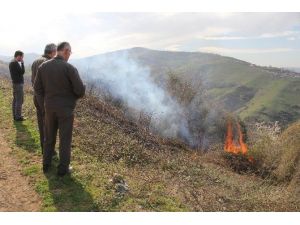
x=240, y=163
x=235, y=143
x=235, y=147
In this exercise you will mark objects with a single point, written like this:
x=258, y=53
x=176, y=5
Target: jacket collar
x=46, y=56
x=59, y=57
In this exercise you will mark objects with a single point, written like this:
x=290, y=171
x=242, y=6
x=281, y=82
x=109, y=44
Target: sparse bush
x=276, y=154
x=289, y=144
x=180, y=89
x=145, y=120
x=206, y=120
x=263, y=146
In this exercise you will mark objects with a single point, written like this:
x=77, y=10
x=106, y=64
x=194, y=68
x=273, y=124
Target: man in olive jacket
x=58, y=84
x=49, y=53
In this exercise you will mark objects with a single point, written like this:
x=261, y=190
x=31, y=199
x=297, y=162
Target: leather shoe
x=62, y=173
x=46, y=168
x=20, y=119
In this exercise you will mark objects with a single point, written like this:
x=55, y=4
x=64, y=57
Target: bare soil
x=16, y=194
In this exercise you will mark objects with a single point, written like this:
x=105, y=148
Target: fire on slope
x=234, y=142
x=231, y=144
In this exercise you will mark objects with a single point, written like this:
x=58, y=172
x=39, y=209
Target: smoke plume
x=130, y=82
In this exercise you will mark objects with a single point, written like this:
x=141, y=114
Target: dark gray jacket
x=35, y=66
x=58, y=84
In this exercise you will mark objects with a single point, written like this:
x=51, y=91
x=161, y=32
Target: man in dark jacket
x=58, y=84
x=17, y=70
x=49, y=53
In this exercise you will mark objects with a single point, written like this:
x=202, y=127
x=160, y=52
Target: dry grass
x=276, y=154
x=289, y=144
x=263, y=147
x=199, y=181
x=289, y=165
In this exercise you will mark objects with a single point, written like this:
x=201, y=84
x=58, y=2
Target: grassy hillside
x=3, y=68
x=255, y=93
x=162, y=175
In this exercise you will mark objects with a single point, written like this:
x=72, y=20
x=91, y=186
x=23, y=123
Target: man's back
x=59, y=83
x=35, y=66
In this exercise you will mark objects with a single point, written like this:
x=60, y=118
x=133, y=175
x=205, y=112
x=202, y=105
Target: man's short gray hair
x=62, y=45
x=49, y=48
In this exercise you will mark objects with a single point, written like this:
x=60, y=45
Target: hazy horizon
x=260, y=38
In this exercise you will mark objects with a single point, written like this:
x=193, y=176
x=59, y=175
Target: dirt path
x=15, y=192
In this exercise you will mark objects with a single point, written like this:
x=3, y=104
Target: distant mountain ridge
x=294, y=69
x=28, y=58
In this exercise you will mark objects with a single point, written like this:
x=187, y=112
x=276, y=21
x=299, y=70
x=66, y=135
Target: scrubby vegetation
x=289, y=147
x=276, y=152
x=263, y=139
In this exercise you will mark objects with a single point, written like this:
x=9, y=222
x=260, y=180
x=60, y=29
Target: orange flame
x=230, y=145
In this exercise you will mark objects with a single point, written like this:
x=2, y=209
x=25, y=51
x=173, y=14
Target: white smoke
x=132, y=83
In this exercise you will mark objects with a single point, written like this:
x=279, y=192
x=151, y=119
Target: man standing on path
x=59, y=84
x=17, y=70
x=49, y=53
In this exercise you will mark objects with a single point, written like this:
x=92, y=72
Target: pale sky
x=260, y=38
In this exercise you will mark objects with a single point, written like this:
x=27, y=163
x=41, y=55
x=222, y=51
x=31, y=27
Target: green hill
x=253, y=92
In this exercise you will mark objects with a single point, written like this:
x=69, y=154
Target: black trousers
x=40, y=113
x=58, y=120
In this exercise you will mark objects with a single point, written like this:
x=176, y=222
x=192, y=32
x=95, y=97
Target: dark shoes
x=19, y=119
x=63, y=172
x=46, y=168
x=60, y=172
